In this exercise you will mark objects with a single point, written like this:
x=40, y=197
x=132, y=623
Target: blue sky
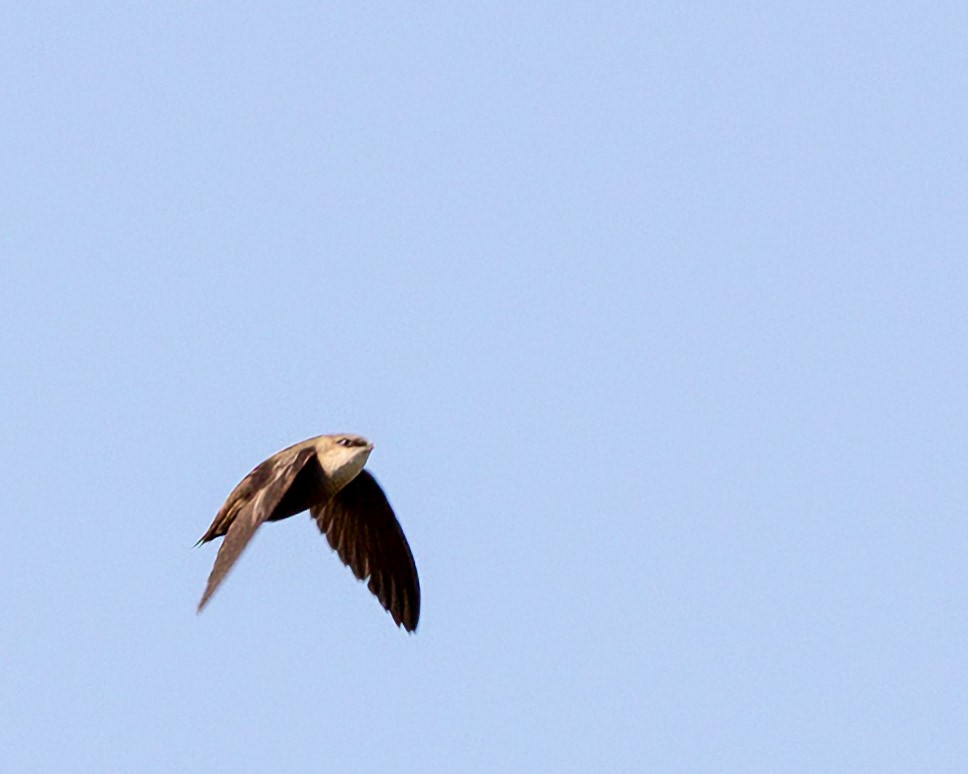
x=655, y=312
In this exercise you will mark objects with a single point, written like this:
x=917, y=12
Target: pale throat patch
x=342, y=464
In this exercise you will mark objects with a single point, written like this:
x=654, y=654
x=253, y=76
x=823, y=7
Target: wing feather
x=252, y=503
x=361, y=527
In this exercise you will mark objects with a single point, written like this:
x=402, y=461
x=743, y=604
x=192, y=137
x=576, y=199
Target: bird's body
x=324, y=475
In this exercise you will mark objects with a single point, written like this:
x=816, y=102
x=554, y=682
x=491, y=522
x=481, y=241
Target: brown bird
x=324, y=474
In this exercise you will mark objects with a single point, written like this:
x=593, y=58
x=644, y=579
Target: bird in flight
x=324, y=474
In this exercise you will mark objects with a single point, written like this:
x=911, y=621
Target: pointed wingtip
x=209, y=591
x=204, y=600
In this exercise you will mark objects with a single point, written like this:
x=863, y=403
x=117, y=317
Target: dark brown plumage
x=324, y=475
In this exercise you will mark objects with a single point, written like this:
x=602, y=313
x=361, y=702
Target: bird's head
x=342, y=456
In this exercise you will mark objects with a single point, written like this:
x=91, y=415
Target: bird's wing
x=359, y=524
x=282, y=470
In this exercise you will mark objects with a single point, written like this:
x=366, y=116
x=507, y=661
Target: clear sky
x=656, y=313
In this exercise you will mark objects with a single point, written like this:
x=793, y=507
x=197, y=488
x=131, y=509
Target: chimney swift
x=324, y=474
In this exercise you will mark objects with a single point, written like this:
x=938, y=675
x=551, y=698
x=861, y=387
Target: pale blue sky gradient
x=655, y=312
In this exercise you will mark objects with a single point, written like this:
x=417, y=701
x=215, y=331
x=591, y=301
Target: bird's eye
x=345, y=442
